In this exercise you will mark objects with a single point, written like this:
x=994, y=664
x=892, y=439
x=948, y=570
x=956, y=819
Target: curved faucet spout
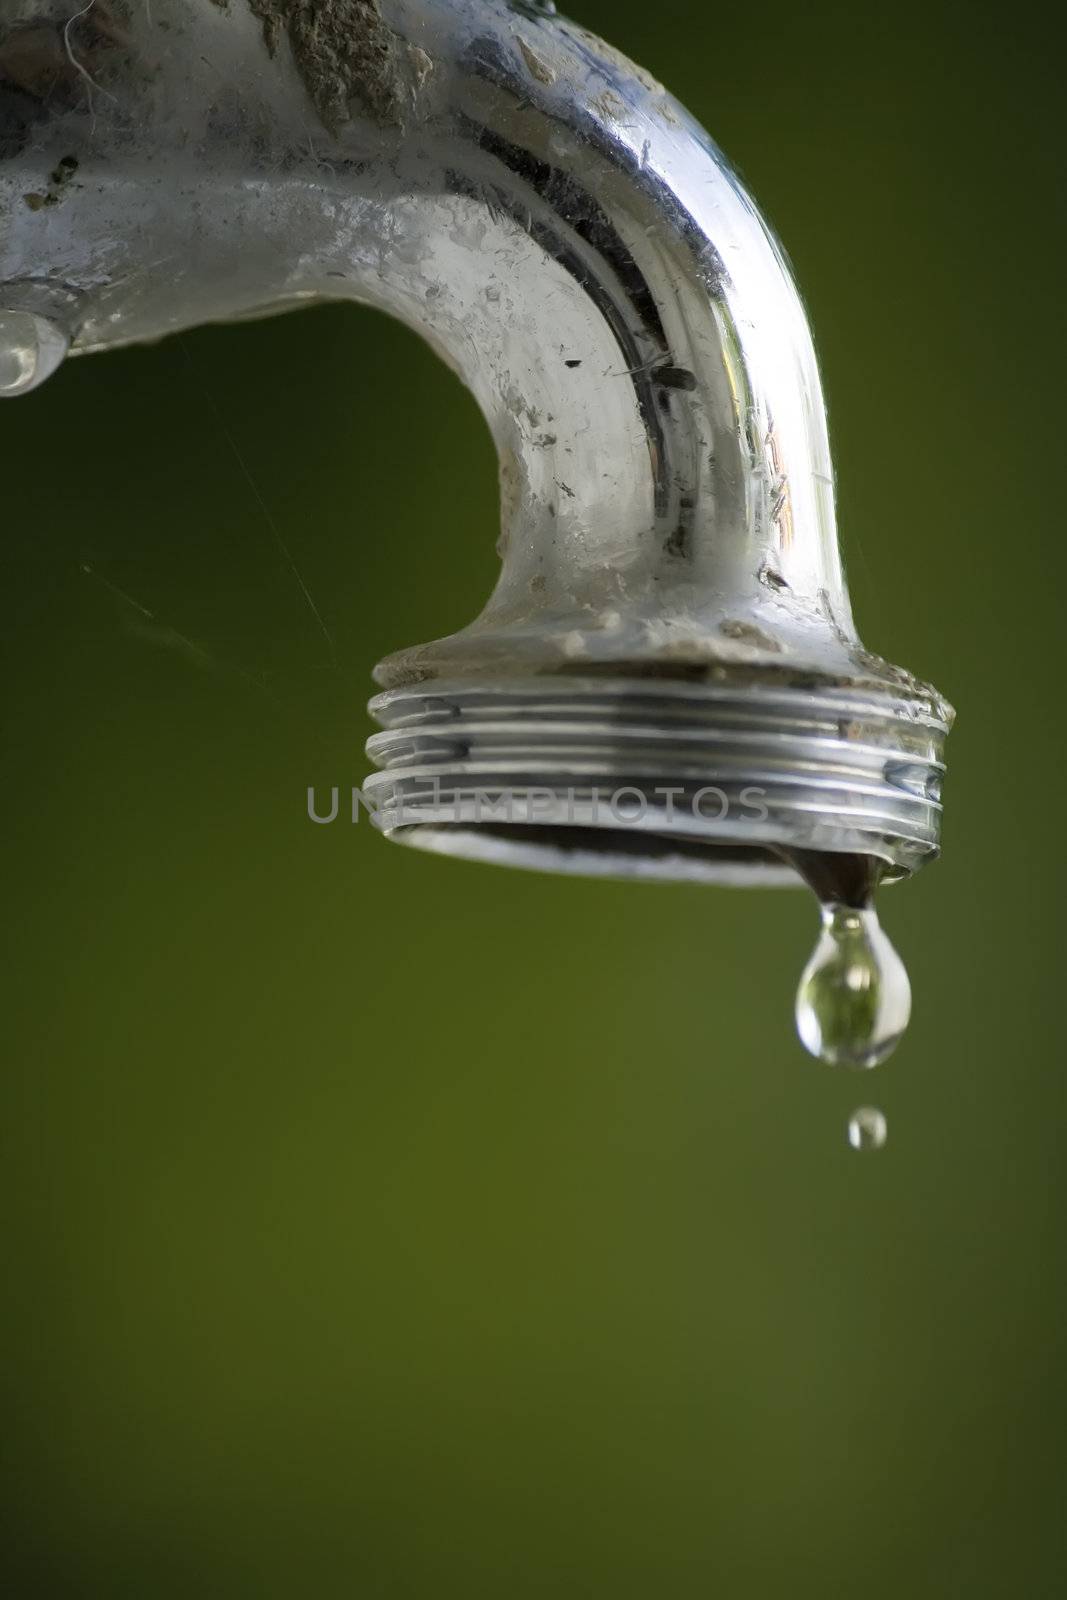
x=558, y=228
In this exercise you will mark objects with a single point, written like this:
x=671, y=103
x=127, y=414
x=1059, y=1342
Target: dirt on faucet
x=347, y=54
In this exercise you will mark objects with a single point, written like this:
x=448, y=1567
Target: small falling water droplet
x=31, y=348
x=854, y=998
x=867, y=1129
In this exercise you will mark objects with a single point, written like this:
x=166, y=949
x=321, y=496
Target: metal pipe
x=671, y=617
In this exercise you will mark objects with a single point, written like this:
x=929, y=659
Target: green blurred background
x=380, y=1225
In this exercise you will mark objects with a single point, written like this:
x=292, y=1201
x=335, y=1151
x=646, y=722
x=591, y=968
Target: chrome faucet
x=666, y=681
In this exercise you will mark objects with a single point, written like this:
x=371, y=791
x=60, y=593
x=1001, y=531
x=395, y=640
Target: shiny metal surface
x=709, y=781
x=558, y=228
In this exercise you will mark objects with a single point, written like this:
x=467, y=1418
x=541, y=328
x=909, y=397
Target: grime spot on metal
x=59, y=179
x=772, y=579
x=538, y=66
x=346, y=54
x=748, y=633
x=609, y=105
x=512, y=483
